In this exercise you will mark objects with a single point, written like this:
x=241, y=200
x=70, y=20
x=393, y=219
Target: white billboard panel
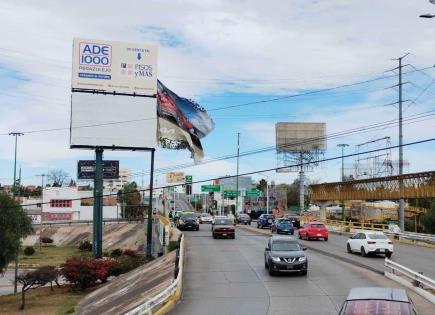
x=300, y=137
x=175, y=177
x=114, y=66
x=108, y=120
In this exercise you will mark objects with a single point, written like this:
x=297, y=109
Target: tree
x=57, y=177
x=130, y=197
x=14, y=224
x=262, y=184
x=37, y=278
x=428, y=219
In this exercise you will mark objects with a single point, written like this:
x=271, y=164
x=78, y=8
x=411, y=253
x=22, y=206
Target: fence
x=164, y=300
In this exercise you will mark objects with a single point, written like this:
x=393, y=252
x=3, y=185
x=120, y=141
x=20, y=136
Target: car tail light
x=390, y=242
x=371, y=242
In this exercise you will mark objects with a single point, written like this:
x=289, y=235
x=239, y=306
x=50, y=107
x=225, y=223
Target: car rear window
x=222, y=221
x=377, y=236
x=188, y=216
x=318, y=226
x=374, y=307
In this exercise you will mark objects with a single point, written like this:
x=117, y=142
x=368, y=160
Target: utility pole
x=342, y=145
x=400, y=102
x=301, y=185
x=42, y=210
x=16, y=135
x=237, y=177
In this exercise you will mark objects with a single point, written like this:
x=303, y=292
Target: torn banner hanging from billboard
x=182, y=122
x=107, y=66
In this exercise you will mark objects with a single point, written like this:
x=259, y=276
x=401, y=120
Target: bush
x=85, y=246
x=124, y=264
x=106, y=254
x=129, y=252
x=173, y=245
x=29, y=251
x=46, y=240
x=83, y=272
x=116, y=253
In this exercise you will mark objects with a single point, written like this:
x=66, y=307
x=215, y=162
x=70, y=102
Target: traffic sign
x=210, y=188
x=230, y=193
x=188, y=179
x=194, y=199
x=253, y=193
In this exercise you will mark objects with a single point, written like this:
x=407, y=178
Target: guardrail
x=167, y=297
x=416, y=281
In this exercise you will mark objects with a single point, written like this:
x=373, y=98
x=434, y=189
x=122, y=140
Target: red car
x=222, y=227
x=313, y=230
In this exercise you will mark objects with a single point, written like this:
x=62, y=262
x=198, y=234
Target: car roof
x=387, y=294
x=283, y=238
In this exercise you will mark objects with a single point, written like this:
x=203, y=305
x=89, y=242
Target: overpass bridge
x=414, y=185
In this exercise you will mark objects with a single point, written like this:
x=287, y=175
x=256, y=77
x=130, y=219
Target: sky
x=225, y=53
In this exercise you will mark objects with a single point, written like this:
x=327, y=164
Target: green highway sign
x=171, y=189
x=210, y=188
x=188, y=179
x=194, y=199
x=253, y=193
x=230, y=193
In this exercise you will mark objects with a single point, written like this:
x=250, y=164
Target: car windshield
x=188, y=216
x=222, y=221
x=205, y=215
x=317, y=226
x=377, y=236
x=369, y=307
x=285, y=223
x=285, y=246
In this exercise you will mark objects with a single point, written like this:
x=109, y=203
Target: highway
x=417, y=258
x=228, y=277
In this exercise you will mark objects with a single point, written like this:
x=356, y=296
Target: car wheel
x=214, y=236
x=388, y=255
x=349, y=250
x=197, y=228
x=300, y=237
x=258, y=226
x=266, y=266
x=292, y=233
x=271, y=272
x=304, y=272
x=326, y=239
x=363, y=252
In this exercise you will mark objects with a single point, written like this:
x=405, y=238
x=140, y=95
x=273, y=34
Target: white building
x=117, y=184
x=68, y=203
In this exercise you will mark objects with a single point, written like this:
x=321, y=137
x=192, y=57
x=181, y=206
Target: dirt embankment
x=115, y=235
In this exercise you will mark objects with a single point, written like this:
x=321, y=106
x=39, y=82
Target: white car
x=370, y=242
x=205, y=218
x=219, y=217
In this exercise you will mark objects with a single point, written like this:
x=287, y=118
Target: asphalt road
x=228, y=277
x=421, y=259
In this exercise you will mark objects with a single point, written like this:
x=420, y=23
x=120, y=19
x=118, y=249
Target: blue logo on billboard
x=92, y=54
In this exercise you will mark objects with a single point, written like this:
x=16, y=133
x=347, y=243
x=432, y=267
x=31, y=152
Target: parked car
x=295, y=220
x=222, y=227
x=313, y=230
x=265, y=220
x=282, y=226
x=370, y=242
x=188, y=221
x=205, y=218
x=285, y=254
x=386, y=301
x=243, y=218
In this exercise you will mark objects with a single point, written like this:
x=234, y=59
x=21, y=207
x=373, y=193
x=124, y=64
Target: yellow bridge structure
x=414, y=185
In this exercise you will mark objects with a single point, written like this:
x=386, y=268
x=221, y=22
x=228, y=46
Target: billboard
x=114, y=67
x=86, y=169
x=108, y=120
x=300, y=137
x=175, y=177
x=245, y=183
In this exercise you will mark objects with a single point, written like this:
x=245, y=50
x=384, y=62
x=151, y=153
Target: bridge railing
x=416, y=281
x=164, y=300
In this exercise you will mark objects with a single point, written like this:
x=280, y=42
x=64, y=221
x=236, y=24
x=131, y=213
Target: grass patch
x=50, y=255
x=42, y=301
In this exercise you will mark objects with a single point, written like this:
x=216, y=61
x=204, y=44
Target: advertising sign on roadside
x=175, y=177
x=86, y=169
x=114, y=66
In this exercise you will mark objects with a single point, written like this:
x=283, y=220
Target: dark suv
x=188, y=221
x=285, y=254
x=265, y=220
x=243, y=218
x=294, y=220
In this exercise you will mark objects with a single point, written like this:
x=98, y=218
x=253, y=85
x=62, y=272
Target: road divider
x=411, y=279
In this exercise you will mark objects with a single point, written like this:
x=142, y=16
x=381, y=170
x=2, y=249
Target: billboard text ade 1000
x=114, y=67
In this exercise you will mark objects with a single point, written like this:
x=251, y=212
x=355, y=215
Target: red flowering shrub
x=83, y=272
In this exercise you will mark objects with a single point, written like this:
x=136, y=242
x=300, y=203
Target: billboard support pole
x=150, y=210
x=98, y=205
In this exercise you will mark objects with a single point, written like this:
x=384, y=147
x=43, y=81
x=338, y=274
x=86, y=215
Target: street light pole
x=16, y=135
x=342, y=145
x=42, y=210
x=237, y=177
